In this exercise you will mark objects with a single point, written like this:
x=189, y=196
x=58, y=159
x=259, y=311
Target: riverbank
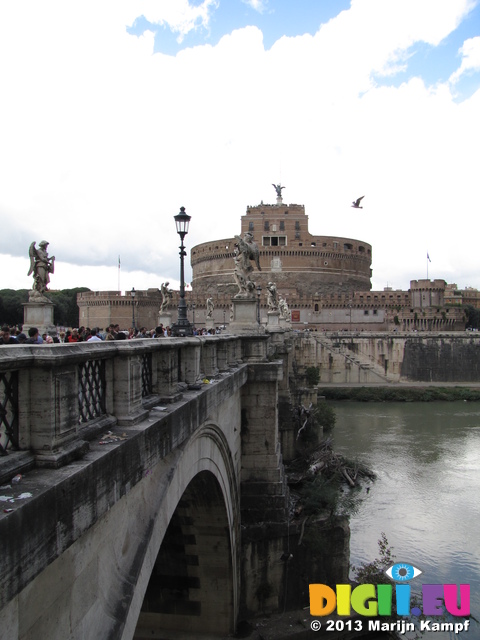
x=400, y=393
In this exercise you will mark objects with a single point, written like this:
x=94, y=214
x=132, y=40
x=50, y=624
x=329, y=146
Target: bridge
x=140, y=462
x=152, y=499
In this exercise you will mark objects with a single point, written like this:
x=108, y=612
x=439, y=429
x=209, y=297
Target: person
x=33, y=336
x=110, y=332
x=93, y=336
x=159, y=331
x=7, y=338
x=74, y=336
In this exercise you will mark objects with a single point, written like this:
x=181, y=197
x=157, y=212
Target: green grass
x=395, y=394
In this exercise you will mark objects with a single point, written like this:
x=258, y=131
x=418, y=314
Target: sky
x=115, y=113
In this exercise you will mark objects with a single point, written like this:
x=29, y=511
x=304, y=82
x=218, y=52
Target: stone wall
x=373, y=358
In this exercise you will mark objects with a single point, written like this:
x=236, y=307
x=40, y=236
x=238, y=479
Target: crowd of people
x=15, y=335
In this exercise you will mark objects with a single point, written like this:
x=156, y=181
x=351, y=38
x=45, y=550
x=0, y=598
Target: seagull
x=356, y=203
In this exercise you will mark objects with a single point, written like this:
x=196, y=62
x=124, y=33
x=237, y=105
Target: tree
x=65, y=310
x=473, y=317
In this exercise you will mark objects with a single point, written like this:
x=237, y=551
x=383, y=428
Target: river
x=426, y=497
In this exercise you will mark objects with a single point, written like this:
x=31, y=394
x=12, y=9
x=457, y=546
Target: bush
x=312, y=375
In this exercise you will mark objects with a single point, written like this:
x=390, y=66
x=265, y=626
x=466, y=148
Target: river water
x=426, y=497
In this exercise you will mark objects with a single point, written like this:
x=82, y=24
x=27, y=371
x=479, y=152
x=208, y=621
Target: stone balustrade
x=58, y=397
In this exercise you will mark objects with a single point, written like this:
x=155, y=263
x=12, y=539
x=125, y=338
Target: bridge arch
x=189, y=578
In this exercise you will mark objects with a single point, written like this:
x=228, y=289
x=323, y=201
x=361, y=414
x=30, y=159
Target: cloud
x=102, y=140
x=181, y=16
x=470, y=52
x=257, y=5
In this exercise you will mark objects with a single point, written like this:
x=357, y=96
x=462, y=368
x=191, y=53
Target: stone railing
x=55, y=398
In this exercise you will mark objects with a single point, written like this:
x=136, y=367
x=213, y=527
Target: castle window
x=267, y=225
x=347, y=246
x=282, y=225
x=274, y=241
x=297, y=225
x=250, y=226
x=316, y=307
x=313, y=244
x=361, y=249
x=297, y=235
x=335, y=245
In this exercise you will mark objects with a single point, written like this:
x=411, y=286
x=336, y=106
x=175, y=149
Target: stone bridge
x=137, y=478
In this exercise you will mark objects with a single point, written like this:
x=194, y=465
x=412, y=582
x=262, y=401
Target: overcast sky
x=114, y=113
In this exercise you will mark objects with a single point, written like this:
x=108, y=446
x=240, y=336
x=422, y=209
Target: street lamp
x=193, y=312
x=224, y=317
x=132, y=293
x=182, y=327
x=259, y=292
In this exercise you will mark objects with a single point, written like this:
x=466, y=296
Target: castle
x=325, y=281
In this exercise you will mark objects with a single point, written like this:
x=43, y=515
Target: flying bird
x=356, y=203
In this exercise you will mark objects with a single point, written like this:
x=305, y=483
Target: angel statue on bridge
x=167, y=295
x=41, y=266
x=245, y=250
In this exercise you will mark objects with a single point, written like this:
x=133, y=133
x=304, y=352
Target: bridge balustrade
x=55, y=398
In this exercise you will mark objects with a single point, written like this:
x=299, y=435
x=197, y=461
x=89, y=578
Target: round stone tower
x=300, y=263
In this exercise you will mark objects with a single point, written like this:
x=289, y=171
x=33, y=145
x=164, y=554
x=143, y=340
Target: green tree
x=11, y=307
x=473, y=317
x=65, y=309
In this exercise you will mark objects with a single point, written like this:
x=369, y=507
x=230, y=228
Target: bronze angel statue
x=41, y=266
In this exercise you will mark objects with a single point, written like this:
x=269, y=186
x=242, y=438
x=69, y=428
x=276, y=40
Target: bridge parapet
x=58, y=397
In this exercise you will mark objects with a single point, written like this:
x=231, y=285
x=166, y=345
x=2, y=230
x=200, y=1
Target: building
x=324, y=279
x=297, y=261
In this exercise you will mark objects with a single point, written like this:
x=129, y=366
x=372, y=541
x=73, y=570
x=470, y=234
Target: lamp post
x=259, y=291
x=182, y=327
x=224, y=318
x=193, y=313
x=132, y=293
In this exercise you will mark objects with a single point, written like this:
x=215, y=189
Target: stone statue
x=278, y=188
x=167, y=295
x=231, y=313
x=272, y=300
x=41, y=266
x=246, y=250
x=284, y=310
x=210, y=308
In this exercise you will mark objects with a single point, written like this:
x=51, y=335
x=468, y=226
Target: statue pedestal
x=209, y=323
x=273, y=318
x=165, y=318
x=39, y=315
x=245, y=316
x=284, y=323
